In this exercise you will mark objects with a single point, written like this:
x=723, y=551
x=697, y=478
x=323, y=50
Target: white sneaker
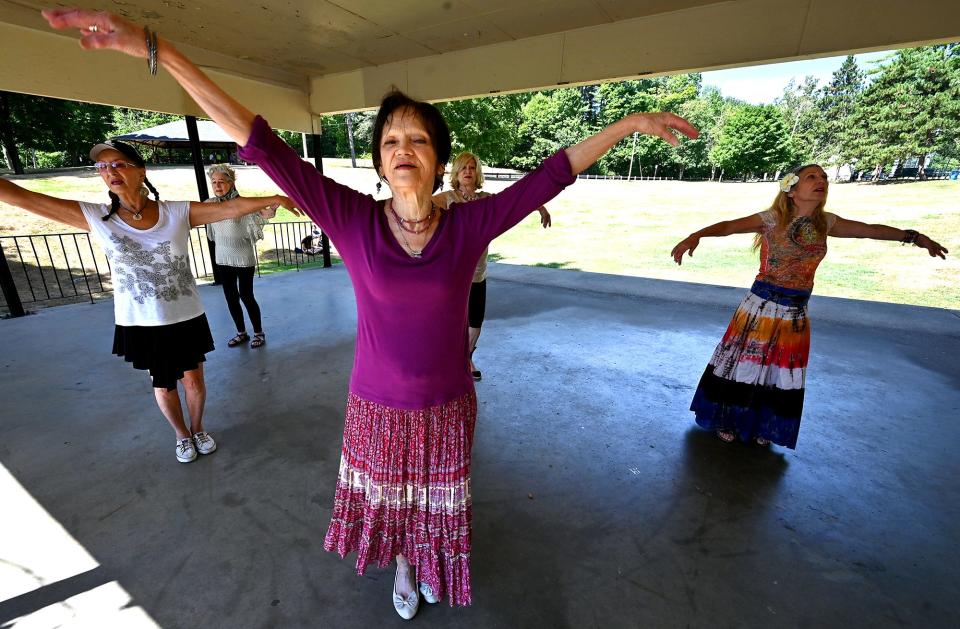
x=185, y=450
x=428, y=594
x=205, y=443
x=406, y=607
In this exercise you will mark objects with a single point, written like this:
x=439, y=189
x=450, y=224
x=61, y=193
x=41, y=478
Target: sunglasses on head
x=113, y=165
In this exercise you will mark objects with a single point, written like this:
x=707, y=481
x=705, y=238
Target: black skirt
x=166, y=351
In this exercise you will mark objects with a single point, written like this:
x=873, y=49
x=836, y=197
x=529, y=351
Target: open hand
x=663, y=124
x=545, y=218
x=687, y=244
x=934, y=248
x=99, y=29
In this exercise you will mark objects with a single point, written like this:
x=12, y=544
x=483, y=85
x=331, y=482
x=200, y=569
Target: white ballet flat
x=406, y=607
x=428, y=594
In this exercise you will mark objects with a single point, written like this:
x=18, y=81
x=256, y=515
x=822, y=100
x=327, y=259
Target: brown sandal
x=259, y=340
x=239, y=339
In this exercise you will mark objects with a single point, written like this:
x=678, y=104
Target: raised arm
x=60, y=210
x=203, y=213
x=745, y=225
x=660, y=124
x=115, y=33
x=844, y=228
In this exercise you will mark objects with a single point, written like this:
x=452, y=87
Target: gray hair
x=223, y=169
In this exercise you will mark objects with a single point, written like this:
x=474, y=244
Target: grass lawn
x=629, y=228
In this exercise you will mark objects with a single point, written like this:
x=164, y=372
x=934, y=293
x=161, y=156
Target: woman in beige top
x=236, y=254
x=466, y=179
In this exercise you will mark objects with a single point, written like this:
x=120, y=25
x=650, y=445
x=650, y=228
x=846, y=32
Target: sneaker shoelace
x=182, y=446
x=201, y=437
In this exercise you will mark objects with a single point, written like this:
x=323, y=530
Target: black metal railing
x=53, y=269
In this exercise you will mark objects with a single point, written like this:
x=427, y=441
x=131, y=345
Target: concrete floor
x=597, y=502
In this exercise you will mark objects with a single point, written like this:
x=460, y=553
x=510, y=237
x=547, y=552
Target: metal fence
x=53, y=269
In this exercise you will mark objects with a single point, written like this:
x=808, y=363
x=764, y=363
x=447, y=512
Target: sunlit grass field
x=629, y=228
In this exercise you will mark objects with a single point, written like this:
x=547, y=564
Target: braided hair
x=134, y=155
x=115, y=200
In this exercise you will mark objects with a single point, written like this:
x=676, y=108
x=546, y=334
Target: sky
x=762, y=84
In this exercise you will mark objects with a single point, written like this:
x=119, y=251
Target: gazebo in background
x=176, y=135
x=197, y=136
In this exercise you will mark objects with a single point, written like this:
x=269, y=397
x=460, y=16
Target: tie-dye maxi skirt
x=404, y=488
x=753, y=385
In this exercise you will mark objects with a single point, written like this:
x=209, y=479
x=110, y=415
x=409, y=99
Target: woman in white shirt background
x=160, y=322
x=236, y=255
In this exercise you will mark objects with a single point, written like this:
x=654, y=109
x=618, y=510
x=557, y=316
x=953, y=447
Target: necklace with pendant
x=469, y=197
x=136, y=215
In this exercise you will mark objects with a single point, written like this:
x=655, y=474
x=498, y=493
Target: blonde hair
x=222, y=169
x=784, y=208
x=458, y=163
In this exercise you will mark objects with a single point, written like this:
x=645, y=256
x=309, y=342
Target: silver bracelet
x=151, y=50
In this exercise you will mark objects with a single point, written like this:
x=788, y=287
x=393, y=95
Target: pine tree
x=837, y=104
x=911, y=109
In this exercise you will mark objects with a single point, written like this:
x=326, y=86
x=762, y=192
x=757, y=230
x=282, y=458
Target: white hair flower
x=788, y=182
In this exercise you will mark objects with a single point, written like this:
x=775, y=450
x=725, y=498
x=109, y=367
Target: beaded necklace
x=428, y=219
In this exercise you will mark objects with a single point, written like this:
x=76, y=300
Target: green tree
x=64, y=129
x=8, y=138
x=838, y=103
x=802, y=113
x=706, y=114
x=620, y=99
x=549, y=121
x=127, y=120
x=753, y=139
x=487, y=126
x=911, y=109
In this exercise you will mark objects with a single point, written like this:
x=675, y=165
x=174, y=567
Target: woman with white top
x=160, y=323
x=236, y=255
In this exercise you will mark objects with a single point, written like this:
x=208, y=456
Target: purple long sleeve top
x=411, y=348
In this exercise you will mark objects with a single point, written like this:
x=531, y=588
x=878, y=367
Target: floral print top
x=152, y=279
x=790, y=257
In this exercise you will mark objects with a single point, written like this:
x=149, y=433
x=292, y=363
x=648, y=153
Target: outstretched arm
x=115, y=33
x=844, y=228
x=745, y=225
x=661, y=124
x=60, y=210
x=203, y=213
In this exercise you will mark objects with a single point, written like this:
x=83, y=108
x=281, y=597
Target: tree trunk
x=10, y=153
x=922, y=176
x=353, y=151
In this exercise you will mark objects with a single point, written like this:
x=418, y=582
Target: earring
x=379, y=185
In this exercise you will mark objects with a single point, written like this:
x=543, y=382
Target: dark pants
x=477, y=304
x=214, y=267
x=237, y=287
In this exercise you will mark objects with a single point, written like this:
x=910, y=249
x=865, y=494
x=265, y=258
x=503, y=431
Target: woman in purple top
x=403, y=490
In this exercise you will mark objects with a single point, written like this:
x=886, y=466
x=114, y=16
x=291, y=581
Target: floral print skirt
x=404, y=488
